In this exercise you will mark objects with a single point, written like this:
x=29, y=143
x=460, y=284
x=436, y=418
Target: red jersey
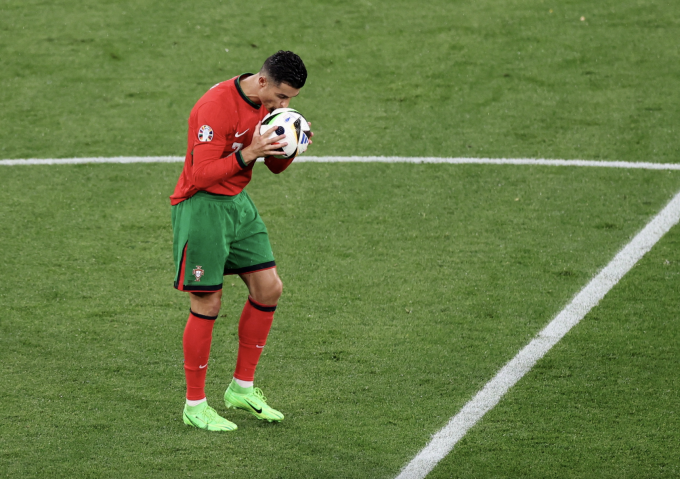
x=220, y=125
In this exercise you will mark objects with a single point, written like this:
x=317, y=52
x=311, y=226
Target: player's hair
x=285, y=67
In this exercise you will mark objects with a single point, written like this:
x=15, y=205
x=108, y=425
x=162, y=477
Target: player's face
x=277, y=96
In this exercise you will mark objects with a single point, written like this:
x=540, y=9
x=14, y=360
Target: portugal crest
x=205, y=133
x=198, y=273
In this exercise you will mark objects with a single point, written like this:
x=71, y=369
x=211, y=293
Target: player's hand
x=311, y=134
x=262, y=145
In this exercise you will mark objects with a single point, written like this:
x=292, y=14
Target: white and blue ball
x=291, y=123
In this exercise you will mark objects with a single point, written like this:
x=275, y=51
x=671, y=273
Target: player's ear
x=262, y=81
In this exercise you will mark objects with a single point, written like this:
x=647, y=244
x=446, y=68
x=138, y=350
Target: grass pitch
x=406, y=286
x=601, y=402
x=397, y=309
x=517, y=78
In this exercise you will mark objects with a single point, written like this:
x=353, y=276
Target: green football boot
x=251, y=400
x=205, y=417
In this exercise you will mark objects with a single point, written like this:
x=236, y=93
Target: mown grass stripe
x=443, y=441
x=365, y=159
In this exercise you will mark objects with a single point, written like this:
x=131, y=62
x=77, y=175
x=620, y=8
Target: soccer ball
x=291, y=123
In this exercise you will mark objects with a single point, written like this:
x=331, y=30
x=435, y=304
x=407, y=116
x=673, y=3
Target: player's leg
x=196, y=342
x=207, y=304
x=264, y=286
x=196, y=346
x=265, y=289
x=252, y=259
x=199, y=261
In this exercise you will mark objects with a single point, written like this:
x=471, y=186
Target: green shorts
x=214, y=235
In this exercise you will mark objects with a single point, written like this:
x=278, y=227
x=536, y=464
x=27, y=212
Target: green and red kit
x=216, y=227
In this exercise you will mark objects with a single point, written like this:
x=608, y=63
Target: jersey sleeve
x=210, y=140
x=277, y=165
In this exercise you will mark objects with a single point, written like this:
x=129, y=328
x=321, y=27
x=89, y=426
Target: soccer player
x=218, y=231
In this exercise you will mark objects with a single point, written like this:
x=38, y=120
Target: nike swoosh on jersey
x=237, y=133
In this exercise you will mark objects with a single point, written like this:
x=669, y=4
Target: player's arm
x=209, y=165
x=277, y=165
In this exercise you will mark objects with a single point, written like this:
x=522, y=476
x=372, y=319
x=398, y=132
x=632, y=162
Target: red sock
x=196, y=343
x=253, y=329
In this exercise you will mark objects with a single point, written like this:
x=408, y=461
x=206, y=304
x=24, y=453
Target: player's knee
x=273, y=291
x=215, y=305
x=277, y=288
x=208, y=304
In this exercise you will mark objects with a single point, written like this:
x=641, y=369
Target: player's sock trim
x=203, y=316
x=261, y=307
x=251, y=269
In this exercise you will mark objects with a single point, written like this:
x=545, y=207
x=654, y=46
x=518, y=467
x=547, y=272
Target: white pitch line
x=364, y=159
x=443, y=441
x=488, y=161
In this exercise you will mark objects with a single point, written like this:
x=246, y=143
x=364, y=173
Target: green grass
x=406, y=286
x=397, y=308
x=604, y=403
x=443, y=78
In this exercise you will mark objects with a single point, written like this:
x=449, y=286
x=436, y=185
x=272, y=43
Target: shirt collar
x=240, y=90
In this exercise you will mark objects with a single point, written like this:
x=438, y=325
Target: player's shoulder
x=214, y=106
x=222, y=92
